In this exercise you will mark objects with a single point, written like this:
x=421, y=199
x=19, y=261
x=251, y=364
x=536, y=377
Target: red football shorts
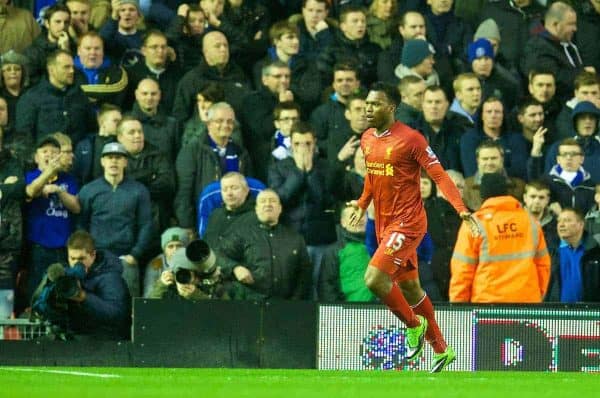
x=396, y=254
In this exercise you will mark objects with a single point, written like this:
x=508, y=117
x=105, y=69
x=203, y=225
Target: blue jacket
x=106, y=311
x=119, y=219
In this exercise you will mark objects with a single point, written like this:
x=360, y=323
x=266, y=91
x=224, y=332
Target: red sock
x=396, y=302
x=433, y=334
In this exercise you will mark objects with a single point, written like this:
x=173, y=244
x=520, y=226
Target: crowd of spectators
x=239, y=121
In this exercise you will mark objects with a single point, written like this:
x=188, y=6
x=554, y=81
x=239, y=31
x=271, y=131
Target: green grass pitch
x=239, y=383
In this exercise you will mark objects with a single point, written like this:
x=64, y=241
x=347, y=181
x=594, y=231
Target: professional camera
x=197, y=264
x=51, y=299
x=196, y=258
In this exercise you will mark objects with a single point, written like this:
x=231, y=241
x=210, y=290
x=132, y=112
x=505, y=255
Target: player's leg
x=380, y=283
x=421, y=304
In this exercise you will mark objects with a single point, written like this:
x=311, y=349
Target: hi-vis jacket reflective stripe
x=507, y=263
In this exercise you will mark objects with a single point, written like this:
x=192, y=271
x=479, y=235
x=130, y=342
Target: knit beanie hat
x=488, y=29
x=136, y=3
x=480, y=48
x=174, y=234
x=493, y=184
x=414, y=52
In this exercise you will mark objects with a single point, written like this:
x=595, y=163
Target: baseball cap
x=114, y=148
x=47, y=140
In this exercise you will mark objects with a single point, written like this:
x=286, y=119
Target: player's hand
x=555, y=208
x=471, y=222
x=357, y=213
x=243, y=275
x=183, y=9
x=321, y=25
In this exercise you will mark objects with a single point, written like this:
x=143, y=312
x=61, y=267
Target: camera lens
x=183, y=276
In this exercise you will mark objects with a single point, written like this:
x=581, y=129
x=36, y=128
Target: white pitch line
x=62, y=372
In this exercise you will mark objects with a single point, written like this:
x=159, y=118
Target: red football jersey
x=394, y=160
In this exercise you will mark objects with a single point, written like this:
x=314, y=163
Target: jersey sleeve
x=430, y=162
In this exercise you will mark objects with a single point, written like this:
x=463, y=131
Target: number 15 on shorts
x=394, y=243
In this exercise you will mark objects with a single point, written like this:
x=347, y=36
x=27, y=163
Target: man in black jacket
x=264, y=258
x=301, y=183
x=56, y=103
x=554, y=49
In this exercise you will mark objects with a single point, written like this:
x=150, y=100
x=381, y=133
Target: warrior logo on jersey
x=388, y=153
x=367, y=150
x=432, y=155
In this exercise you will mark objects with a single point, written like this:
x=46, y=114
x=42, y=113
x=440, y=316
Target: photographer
x=193, y=276
x=90, y=298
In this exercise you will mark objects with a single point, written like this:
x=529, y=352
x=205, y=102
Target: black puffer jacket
x=307, y=201
x=362, y=53
x=275, y=255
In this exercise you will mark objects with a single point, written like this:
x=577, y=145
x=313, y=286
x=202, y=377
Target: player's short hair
x=92, y=34
x=212, y=91
x=53, y=9
x=235, y=174
x=435, y=89
x=81, y=240
x=569, y=142
x=346, y=67
x=390, y=91
x=491, y=99
x=106, y=107
x=51, y=59
x=210, y=114
x=355, y=97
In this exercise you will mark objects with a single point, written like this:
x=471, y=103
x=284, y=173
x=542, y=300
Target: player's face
x=288, y=43
x=44, y=154
x=277, y=80
x=58, y=23
x=147, y=95
x=128, y=16
x=80, y=14
x=490, y=160
x=440, y=6
x=155, y=51
x=234, y=192
x=536, y=200
x=568, y=225
x=220, y=126
x=566, y=28
x=109, y=121
x=379, y=110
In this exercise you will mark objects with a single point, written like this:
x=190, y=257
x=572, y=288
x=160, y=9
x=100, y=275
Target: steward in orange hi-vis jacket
x=507, y=263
